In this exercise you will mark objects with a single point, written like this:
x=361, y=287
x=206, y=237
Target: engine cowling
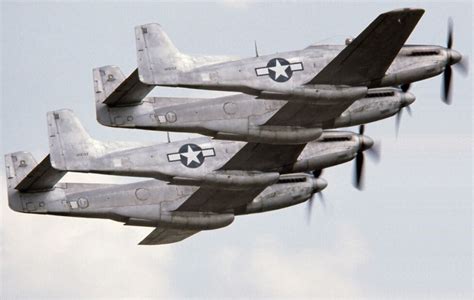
x=377, y=105
x=288, y=191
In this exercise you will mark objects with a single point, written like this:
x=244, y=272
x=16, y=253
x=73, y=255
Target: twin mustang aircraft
x=263, y=149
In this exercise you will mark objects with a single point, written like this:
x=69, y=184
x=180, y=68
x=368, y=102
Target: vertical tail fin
x=106, y=80
x=17, y=166
x=156, y=55
x=161, y=63
x=71, y=147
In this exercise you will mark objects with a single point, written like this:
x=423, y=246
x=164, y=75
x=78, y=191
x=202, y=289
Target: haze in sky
x=407, y=235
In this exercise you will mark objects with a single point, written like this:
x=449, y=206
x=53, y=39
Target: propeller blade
x=398, y=118
x=309, y=209
x=405, y=87
x=310, y=205
x=454, y=58
x=447, y=85
x=321, y=198
x=359, y=170
x=375, y=152
x=463, y=66
x=373, y=149
x=449, y=43
x=317, y=173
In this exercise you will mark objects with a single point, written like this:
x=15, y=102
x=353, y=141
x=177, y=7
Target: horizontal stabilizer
x=161, y=236
x=112, y=88
x=42, y=177
x=370, y=54
x=26, y=175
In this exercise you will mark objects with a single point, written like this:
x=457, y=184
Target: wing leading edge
x=369, y=55
x=112, y=88
x=42, y=177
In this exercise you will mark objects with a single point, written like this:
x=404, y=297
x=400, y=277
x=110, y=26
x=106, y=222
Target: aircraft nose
x=366, y=142
x=407, y=99
x=454, y=57
x=319, y=184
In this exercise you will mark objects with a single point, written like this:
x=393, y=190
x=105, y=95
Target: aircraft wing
x=268, y=157
x=369, y=55
x=112, y=88
x=160, y=236
x=205, y=199
x=212, y=199
x=308, y=114
x=258, y=156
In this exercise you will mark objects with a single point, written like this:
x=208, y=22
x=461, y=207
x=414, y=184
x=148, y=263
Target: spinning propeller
x=367, y=144
x=454, y=58
x=316, y=174
x=374, y=152
x=408, y=101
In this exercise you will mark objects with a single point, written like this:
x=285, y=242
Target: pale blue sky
x=408, y=235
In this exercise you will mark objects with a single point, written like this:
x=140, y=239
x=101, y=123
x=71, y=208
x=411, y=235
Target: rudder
x=17, y=166
x=70, y=146
x=106, y=80
x=158, y=59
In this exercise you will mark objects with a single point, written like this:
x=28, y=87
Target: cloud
x=49, y=256
x=272, y=269
x=237, y=4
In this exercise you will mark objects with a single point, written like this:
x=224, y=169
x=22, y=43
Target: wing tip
x=407, y=10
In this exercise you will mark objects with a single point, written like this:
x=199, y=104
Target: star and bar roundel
x=279, y=69
x=191, y=155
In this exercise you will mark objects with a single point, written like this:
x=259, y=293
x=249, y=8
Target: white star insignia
x=191, y=156
x=279, y=70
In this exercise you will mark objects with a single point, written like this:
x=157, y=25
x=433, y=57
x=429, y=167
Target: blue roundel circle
x=279, y=69
x=191, y=155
